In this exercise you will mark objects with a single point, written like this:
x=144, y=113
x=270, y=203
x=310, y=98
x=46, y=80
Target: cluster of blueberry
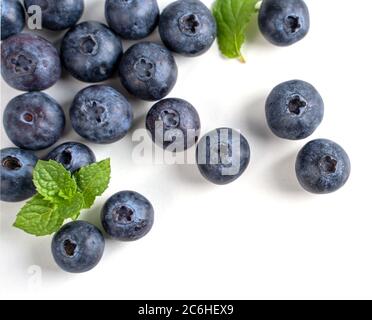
x=91, y=52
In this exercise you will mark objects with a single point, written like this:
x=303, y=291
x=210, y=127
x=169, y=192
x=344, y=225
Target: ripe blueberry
x=187, y=27
x=29, y=62
x=34, y=121
x=322, y=166
x=175, y=123
x=72, y=155
x=222, y=155
x=284, y=22
x=127, y=216
x=16, y=174
x=58, y=14
x=101, y=114
x=148, y=71
x=12, y=18
x=294, y=110
x=90, y=51
x=78, y=247
x=132, y=19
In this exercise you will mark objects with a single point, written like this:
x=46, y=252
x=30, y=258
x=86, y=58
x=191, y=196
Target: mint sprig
x=232, y=17
x=61, y=195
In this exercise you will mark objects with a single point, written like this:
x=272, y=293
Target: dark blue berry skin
x=187, y=27
x=322, y=166
x=34, y=121
x=284, y=22
x=127, y=216
x=101, y=114
x=58, y=14
x=72, y=155
x=132, y=19
x=223, y=155
x=173, y=122
x=78, y=247
x=294, y=110
x=148, y=71
x=29, y=62
x=91, y=51
x=17, y=166
x=12, y=18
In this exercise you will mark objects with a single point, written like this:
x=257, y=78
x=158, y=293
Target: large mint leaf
x=93, y=180
x=232, y=17
x=39, y=217
x=53, y=181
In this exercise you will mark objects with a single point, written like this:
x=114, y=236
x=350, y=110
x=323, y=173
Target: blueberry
x=132, y=19
x=58, y=14
x=91, y=51
x=148, y=71
x=72, y=155
x=187, y=27
x=34, y=121
x=284, y=22
x=294, y=110
x=12, y=18
x=16, y=174
x=101, y=114
x=175, y=123
x=322, y=166
x=223, y=155
x=29, y=62
x=127, y=216
x=78, y=247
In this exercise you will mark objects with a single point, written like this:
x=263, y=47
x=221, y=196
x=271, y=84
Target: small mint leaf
x=232, y=17
x=53, y=181
x=39, y=217
x=93, y=180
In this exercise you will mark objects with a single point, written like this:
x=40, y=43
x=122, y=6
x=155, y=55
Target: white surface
x=260, y=237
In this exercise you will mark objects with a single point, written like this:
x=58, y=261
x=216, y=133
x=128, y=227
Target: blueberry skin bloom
x=173, y=122
x=29, y=62
x=17, y=166
x=34, y=121
x=322, y=166
x=148, y=71
x=72, y=155
x=132, y=19
x=78, y=247
x=12, y=18
x=284, y=22
x=127, y=216
x=101, y=114
x=223, y=155
x=90, y=51
x=58, y=14
x=187, y=27
x=294, y=110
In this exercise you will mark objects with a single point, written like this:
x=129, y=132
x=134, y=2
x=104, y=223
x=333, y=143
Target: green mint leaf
x=39, y=217
x=93, y=180
x=232, y=17
x=53, y=181
x=70, y=209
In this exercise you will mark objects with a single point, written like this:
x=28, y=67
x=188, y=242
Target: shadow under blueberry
x=189, y=173
x=283, y=174
x=255, y=123
x=42, y=256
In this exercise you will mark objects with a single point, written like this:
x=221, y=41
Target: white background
x=260, y=237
